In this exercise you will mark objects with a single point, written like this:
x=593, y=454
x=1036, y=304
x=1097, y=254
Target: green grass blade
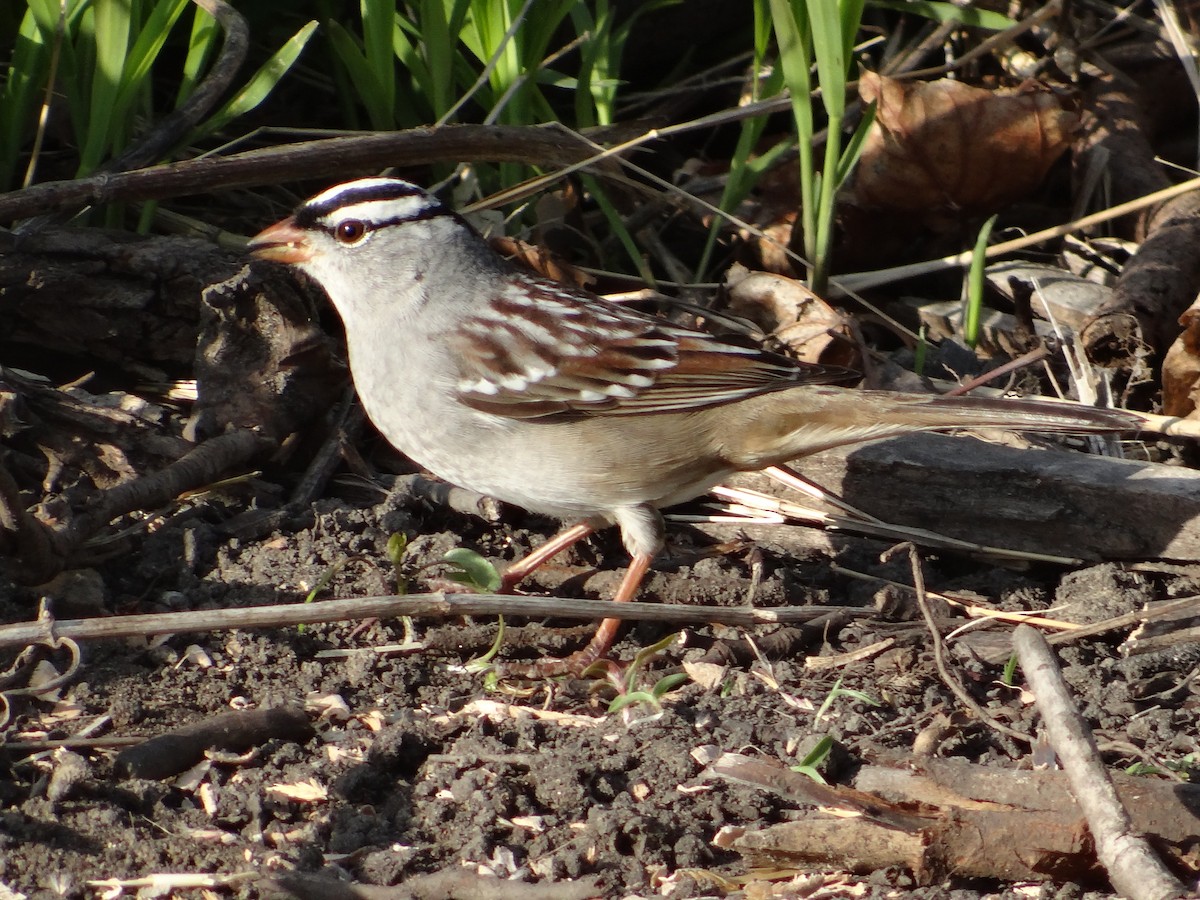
x=438, y=49
x=592, y=56
x=262, y=82
x=829, y=49
x=24, y=84
x=854, y=146
x=379, y=22
x=111, y=30
x=795, y=55
x=147, y=47
x=851, y=19
x=973, y=313
x=202, y=43
x=744, y=168
x=617, y=226
x=355, y=62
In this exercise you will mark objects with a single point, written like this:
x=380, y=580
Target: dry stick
x=1156, y=611
x=974, y=610
x=1037, y=354
x=46, y=550
x=429, y=605
x=358, y=154
x=939, y=650
x=1132, y=866
x=206, y=463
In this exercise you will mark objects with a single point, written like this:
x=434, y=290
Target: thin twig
x=416, y=605
x=939, y=650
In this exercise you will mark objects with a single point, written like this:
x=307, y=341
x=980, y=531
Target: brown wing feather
x=545, y=349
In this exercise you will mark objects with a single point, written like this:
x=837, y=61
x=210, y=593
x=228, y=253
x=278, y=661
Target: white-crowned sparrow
x=560, y=402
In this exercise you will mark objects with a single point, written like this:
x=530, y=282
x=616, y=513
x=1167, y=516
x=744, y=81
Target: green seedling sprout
x=921, y=352
x=813, y=760
x=397, y=546
x=630, y=694
x=1010, y=671
x=323, y=582
x=484, y=663
x=973, y=308
x=836, y=692
x=469, y=568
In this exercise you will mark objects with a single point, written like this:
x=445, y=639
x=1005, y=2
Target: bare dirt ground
x=413, y=767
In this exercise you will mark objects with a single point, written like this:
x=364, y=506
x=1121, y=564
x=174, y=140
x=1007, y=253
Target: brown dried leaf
x=540, y=260
x=945, y=146
x=1181, y=368
x=786, y=309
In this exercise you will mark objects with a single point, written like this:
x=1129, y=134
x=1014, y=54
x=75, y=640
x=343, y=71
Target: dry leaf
x=944, y=146
x=709, y=676
x=540, y=260
x=790, y=312
x=536, y=824
x=1181, y=368
x=491, y=709
x=302, y=791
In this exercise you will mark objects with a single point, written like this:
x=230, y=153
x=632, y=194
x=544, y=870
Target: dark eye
x=351, y=231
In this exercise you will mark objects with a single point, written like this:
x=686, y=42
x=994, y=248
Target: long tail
x=803, y=420
x=1019, y=414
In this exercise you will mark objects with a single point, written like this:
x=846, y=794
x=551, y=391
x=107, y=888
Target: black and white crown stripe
x=376, y=202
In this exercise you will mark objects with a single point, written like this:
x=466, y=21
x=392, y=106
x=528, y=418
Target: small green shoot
x=1143, y=769
x=1009, y=678
x=469, y=568
x=836, y=692
x=1185, y=766
x=397, y=546
x=814, y=759
x=323, y=582
x=483, y=663
x=973, y=310
x=630, y=693
x=652, y=697
x=921, y=351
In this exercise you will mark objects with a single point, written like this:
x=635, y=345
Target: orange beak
x=282, y=242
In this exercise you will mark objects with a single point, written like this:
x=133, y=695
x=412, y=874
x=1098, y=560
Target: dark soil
x=419, y=768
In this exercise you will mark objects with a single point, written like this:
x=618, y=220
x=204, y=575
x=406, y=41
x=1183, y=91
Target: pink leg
x=601, y=641
x=519, y=570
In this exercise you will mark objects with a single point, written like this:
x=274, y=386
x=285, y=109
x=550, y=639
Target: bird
x=551, y=398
